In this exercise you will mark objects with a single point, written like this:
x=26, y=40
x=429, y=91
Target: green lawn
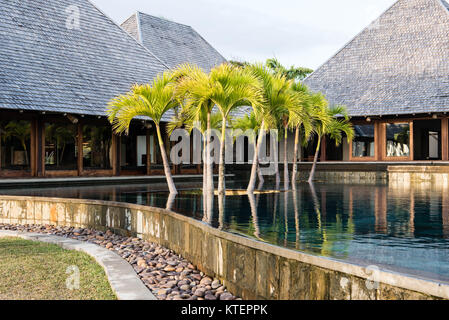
x=33, y=270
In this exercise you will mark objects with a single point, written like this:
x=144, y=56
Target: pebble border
x=121, y=276
x=167, y=275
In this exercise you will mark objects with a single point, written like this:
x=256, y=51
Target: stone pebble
x=165, y=273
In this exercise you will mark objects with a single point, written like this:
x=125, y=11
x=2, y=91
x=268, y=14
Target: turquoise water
x=404, y=229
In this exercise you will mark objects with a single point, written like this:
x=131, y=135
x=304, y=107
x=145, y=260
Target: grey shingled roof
x=172, y=42
x=397, y=65
x=45, y=66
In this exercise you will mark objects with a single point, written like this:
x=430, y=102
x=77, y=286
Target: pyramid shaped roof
x=172, y=42
x=399, y=64
x=49, y=64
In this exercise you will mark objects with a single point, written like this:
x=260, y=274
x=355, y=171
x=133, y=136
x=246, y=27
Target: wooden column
x=115, y=154
x=33, y=148
x=40, y=146
x=444, y=139
x=323, y=149
x=377, y=141
x=148, y=151
x=411, y=143
x=79, y=141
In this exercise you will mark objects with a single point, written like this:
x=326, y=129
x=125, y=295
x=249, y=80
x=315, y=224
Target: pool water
x=400, y=228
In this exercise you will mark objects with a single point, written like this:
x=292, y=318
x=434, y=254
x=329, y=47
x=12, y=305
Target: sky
x=297, y=32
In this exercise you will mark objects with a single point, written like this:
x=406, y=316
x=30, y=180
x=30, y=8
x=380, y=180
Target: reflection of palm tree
x=286, y=217
x=253, y=205
x=221, y=210
x=171, y=200
x=295, y=208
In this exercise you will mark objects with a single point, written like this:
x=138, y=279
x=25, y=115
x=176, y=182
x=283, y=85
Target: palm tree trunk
x=261, y=178
x=252, y=179
x=315, y=160
x=171, y=184
x=276, y=163
x=286, y=175
x=295, y=159
x=204, y=174
x=221, y=168
x=210, y=169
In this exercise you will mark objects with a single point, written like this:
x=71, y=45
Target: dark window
x=363, y=142
x=60, y=146
x=15, y=137
x=97, y=142
x=398, y=139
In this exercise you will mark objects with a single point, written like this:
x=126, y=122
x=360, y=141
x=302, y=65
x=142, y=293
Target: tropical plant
x=331, y=122
x=193, y=89
x=232, y=87
x=300, y=121
x=293, y=73
x=151, y=100
x=277, y=97
x=245, y=123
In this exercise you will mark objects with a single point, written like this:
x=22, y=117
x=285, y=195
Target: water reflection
x=404, y=227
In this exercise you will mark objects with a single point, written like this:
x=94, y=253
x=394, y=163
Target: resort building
x=60, y=63
x=394, y=80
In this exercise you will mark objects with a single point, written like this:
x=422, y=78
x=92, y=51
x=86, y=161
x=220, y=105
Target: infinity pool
x=404, y=229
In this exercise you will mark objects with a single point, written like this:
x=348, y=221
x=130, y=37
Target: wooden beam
x=115, y=154
x=445, y=139
x=148, y=151
x=33, y=148
x=411, y=143
x=323, y=149
x=40, y=167
x=79, y=141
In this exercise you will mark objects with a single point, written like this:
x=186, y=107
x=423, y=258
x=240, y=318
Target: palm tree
x=194, y=89
x=294, y=73
x=188, y=119
x=300, y=120
x=151, y=100
x=277, y=98
x=232, y=87
x=332, y=122
x=249, y=122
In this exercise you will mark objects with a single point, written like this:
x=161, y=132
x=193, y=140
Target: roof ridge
x=164, y=19
x=119, y=26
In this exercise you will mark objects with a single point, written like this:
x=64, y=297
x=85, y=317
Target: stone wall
x=249, y=268
x=357, y=177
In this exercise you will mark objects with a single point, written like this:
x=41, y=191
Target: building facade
x=60, y=63
x=393, y=78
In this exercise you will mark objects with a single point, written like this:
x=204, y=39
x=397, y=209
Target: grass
x=32, y=270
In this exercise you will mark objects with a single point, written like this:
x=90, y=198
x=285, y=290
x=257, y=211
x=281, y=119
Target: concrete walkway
x=123, y=280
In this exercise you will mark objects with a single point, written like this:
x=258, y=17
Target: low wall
x=250, y=269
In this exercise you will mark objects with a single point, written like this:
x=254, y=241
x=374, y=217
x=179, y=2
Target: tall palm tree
x=277, y=98
x=300, y=120
x=332, y=122
x=194, y=88
x=232, y=87
x=151, y=100
x=249, y=122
